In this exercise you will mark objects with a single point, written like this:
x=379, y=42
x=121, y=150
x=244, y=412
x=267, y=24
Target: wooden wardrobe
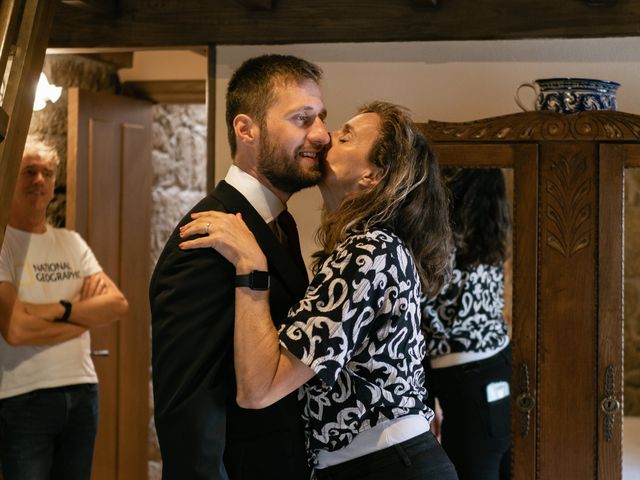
x=568, y=173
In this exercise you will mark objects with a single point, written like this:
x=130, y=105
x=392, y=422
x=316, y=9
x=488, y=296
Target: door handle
x=610, y=404
x=100, y=353
x=525, y=402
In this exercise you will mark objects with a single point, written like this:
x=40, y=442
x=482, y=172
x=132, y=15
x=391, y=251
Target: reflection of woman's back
x=468, y=354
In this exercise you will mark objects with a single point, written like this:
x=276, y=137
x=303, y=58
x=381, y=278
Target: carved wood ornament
x=541, y=126
x=568, y=209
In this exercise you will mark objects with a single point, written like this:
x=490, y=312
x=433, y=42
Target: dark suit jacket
x=198, y=422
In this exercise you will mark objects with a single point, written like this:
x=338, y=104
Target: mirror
x=468, y=326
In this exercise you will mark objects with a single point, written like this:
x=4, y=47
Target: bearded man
x=275, y=120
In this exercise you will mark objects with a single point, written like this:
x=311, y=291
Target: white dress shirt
x=266, y=203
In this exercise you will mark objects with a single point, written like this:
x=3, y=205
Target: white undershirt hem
x=377, y=438
x=460, y=358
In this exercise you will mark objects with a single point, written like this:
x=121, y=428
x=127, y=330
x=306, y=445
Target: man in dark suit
x=275, y=120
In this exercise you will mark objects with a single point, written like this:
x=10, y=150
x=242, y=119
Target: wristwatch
x=256, y=280
x=67, y=311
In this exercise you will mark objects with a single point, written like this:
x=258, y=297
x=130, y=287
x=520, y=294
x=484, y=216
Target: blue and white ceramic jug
x=571, y=95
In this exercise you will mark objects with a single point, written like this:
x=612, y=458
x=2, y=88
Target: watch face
x=259, y=280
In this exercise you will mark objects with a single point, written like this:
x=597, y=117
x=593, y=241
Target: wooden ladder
x=24, y=34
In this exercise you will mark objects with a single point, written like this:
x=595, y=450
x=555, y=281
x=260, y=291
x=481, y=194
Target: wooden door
x=109, y=204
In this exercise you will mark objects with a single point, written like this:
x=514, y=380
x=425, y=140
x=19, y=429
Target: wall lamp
x=45, y=92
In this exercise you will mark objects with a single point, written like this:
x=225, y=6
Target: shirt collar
x=260, y=197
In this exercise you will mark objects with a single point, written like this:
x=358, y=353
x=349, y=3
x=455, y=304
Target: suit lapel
x=280, y=262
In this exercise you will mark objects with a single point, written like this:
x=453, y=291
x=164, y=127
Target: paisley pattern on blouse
x=467, y=314
x=358, y=328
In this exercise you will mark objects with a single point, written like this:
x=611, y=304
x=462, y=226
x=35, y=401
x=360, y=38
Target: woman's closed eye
x=344, y=135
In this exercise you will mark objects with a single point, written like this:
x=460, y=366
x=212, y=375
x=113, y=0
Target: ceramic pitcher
x=571, y=95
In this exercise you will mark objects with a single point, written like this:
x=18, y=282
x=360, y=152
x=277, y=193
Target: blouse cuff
x=292, y=338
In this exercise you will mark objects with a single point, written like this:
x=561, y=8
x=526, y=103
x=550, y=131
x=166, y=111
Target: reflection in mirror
x=467, y=328
x=631, y=425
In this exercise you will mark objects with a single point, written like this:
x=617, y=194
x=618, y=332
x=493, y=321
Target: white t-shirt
x=45, y=268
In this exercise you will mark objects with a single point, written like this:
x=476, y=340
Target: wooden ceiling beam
x=600, y=3
x=118, y=59
x=425, y=3
x=119, y=49
x=102, y=7
x=167, y=91
x=202, y=51
x=256, y=4
x=177, y=23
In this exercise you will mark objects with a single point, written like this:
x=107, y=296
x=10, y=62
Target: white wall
x=447, y=81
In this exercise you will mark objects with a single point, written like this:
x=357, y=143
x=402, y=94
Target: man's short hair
x=37, y=147
x=252, y=86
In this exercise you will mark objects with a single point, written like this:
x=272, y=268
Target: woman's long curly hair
x=409, y=199
x=479, y=215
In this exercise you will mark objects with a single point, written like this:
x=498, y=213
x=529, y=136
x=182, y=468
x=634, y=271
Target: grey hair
x=37, y=147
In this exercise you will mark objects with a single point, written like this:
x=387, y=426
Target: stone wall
x=179, y=182
x=179, y=167
x=51, y=122
x=632, y=293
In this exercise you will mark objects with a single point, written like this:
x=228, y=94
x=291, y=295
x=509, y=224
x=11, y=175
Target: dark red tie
x=288, y=226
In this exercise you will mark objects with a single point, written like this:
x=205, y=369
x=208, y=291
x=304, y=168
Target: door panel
x=135, y=339
x=524, y=336
x=610, y=301
x=108, y=203
x=567, y=316
x=103, y=235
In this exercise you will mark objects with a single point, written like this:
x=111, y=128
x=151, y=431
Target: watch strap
x=255, y=280
x=67, y=311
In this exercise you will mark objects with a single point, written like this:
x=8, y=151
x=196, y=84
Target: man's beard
x=283, y=171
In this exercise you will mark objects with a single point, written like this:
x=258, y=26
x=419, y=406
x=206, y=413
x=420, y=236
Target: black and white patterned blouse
x=467, y=314
x=358, y=328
